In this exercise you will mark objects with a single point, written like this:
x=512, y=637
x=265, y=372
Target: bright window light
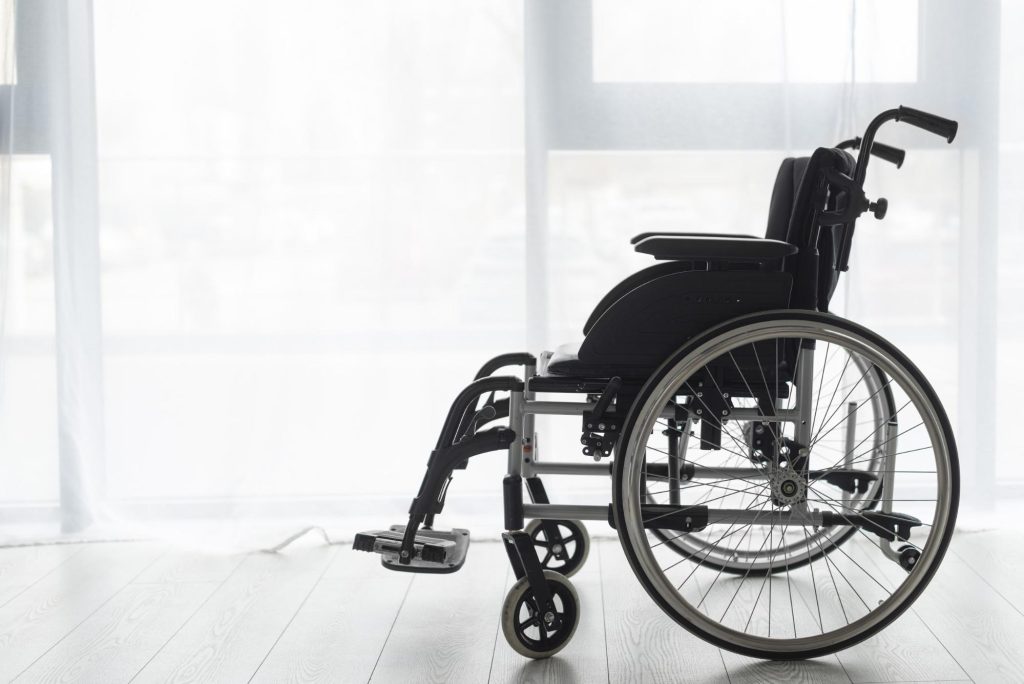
x=737, y=41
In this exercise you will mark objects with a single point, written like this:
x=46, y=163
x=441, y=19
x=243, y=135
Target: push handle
x=945, y=128
x=893, y=155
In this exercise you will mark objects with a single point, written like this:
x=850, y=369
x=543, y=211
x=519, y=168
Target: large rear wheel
x=766, y=571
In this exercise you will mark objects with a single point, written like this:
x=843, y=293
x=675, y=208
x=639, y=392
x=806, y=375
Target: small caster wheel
x=537, y=635
x=566, y=555
x=909, y=557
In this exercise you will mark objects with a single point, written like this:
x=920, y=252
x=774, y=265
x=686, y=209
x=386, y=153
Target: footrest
x=887, y=526
x=436, y=551
x=850, y=481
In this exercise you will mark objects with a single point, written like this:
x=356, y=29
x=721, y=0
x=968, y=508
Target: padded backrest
x=795, y=196
x=791, y=171
x=809, y=191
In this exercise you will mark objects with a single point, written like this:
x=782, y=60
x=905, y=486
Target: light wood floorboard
x=446, y=629
x=118, y=639
x=981, y=630
x=228, y=638
x=38, y=618
x=147, y=612
x=644, y=644
x=997, y=558
x=341, y=630
x=905, y=651
x=25, y=565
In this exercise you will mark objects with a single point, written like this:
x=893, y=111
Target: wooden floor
x=146, y=612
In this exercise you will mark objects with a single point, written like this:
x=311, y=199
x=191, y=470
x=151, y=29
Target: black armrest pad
x=716, y=248
x=643, y=236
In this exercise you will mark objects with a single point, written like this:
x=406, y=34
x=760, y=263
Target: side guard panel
x=630, y=283
x=652, y=320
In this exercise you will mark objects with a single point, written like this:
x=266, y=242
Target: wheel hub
x=788, y=486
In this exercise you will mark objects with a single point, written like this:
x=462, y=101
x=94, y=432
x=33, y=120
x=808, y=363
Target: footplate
x=436, y=551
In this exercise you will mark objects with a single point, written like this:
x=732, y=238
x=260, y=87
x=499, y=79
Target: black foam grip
x=893, y=155
x=929, y=122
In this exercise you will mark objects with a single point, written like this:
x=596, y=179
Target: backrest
x=791, y=171
x=799, y=190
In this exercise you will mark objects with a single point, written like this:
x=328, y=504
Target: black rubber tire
x=580, y=549
x=514, y=631
x=679, y=355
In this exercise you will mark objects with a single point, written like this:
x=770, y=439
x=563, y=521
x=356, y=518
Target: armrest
x=716, y=248
x=658, y=233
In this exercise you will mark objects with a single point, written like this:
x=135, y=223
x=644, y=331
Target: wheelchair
x=784, y=482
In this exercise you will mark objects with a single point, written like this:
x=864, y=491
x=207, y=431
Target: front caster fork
x=522, y=554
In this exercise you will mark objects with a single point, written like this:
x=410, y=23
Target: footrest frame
x=434, y=551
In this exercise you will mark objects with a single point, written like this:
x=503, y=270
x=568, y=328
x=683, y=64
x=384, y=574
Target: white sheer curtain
x=311, y=235
x=251, y=250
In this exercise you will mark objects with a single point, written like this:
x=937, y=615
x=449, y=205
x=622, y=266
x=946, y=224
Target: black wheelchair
x=784, y=483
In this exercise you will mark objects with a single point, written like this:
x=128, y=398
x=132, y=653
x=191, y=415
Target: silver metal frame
x=524, y=458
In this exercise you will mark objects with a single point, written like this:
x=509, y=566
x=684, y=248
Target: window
x=690, y=41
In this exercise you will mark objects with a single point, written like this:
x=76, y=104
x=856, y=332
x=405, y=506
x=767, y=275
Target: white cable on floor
x=300, y=534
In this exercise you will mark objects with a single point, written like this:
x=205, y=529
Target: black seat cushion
x=565, y=362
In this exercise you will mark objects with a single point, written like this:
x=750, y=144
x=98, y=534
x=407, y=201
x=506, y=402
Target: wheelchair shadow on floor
x=547, y=670
x=821, y=670
x=751, y=670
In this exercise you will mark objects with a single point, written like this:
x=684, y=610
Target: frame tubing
x=529, y=432
x=805, y=390
x=849, y=443
x=515, y=421
x=715, y=516
x=576, y=408
x=565, y=512
x=557, y=408
x=564, y=468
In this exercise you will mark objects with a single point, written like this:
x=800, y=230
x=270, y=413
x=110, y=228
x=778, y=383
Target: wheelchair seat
x=706, y=279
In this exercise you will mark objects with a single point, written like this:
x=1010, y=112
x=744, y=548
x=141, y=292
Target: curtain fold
x=7, y=78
